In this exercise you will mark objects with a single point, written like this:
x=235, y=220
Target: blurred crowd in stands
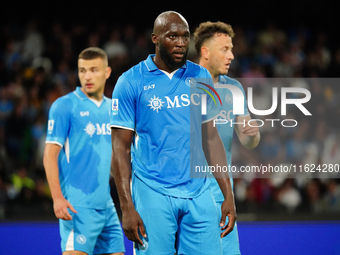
x=38, y=63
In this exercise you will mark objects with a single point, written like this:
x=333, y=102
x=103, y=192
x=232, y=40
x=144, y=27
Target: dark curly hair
x=207, y=30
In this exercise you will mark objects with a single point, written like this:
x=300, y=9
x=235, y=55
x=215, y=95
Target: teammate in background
x=213, y=42
x=77, y=161
x=151, y=110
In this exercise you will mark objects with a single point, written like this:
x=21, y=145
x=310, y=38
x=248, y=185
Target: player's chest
x=226, y=109
x=91, y=120
x=164, y=95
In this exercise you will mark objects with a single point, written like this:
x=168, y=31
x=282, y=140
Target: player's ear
x=154, y=38
x=205, y=53
x=107, y=72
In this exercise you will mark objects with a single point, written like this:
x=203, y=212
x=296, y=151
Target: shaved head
x=167, y=18
x=171, y=37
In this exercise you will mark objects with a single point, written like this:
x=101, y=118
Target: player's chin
x=90, y=91
x=179, y=61
x=224, y=71
x=179, y=56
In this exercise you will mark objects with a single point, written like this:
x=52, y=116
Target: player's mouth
x=89, y=85
x=178, y=55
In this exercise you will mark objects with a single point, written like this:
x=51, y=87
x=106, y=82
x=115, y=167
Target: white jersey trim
x=117, y=126
x=53, y=142
x=78, y=95
x=70, y=242
x=97, y=103
x=67, y=150
x=170, y=75
x=211, y=119
x=147, y=66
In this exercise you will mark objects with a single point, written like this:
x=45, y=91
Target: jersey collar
x=223, y=79
x=82, y=95
x=151, y=66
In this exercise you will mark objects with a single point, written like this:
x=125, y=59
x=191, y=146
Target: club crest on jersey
x=114, y=106
x=143, y=247
x=156, y=103
x=81, y=239
x=190, y=82
x=229, y=98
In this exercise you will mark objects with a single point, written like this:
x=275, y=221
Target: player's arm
x=249, y=136
x=121, y=172
x=60, y=204
x=216, y=155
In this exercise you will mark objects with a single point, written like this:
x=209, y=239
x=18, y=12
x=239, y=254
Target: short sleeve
x=123, y=110
x=58, y=122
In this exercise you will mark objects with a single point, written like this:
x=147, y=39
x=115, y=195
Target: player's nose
x=231, y=55
x=87, y=76
x=180, y=41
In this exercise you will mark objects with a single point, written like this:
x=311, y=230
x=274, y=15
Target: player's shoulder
x=134, y=72
x=197, y=70
x=107, y=99
x=65, y=100
x=132, y=77
x=129, y=80
x=224, y=79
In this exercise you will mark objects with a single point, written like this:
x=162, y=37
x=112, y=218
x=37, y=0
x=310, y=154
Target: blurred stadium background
x=39, y=45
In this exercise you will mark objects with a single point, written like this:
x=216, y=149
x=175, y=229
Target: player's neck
x=161, y=65
x=96, y=102
x=214, y=77
x=98, y=96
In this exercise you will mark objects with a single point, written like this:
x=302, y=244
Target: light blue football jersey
x=168, y=140
x=83, y=131
x=226, y=130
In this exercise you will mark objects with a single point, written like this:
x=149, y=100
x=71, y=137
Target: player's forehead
x=178, y=28
x=88, y=63
x=170, y=22
x=221, y=39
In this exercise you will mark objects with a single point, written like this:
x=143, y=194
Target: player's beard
x=169, y=60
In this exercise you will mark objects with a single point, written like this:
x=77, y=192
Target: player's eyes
x=227, y=49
